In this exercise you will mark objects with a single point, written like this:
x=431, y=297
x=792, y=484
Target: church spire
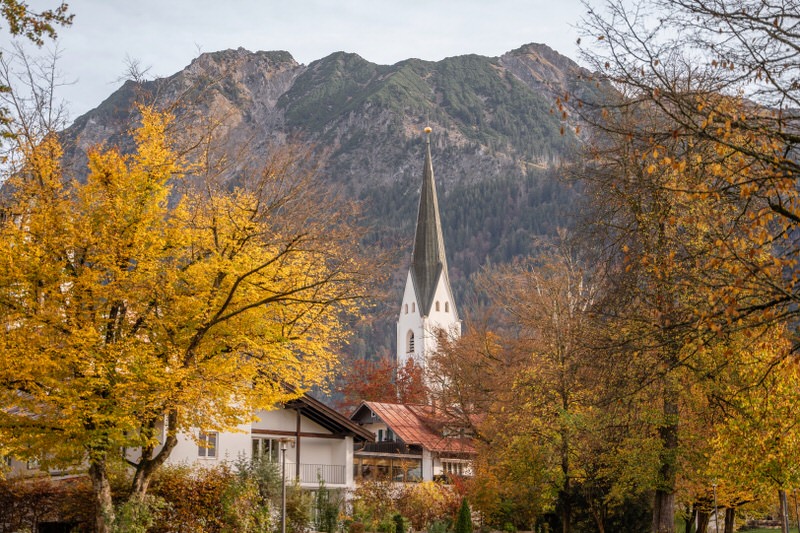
x=428, y=261
x=427, y=309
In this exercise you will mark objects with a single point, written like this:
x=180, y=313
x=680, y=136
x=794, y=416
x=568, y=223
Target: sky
x=165, y=35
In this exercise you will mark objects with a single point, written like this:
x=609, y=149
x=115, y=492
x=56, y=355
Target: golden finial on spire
x=427, y=129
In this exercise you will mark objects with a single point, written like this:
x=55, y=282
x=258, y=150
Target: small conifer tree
x=464, y=520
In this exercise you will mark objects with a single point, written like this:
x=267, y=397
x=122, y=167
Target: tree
x=143, y=299
x=704, y=127
x=726, y=98
x=464, y=519
x=381, y=381
x=527, y=376
x=33, y=26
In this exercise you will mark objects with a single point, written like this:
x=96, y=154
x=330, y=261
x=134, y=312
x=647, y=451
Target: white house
x=319, y=443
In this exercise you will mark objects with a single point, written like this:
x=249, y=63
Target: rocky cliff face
x=489, y=115
x=497, y=137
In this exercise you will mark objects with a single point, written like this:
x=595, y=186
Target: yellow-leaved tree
x=124, y=303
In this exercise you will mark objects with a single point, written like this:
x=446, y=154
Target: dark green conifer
x=464, y=520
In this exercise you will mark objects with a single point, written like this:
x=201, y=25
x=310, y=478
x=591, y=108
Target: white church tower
x=428, y=306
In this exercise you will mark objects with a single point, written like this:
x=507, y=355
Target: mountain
x=498, y=139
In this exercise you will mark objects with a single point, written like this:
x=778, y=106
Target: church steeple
x=427, y=309
x=428, y=261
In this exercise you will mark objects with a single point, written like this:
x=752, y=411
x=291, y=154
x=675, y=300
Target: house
x=414, y=443
x=318, y=443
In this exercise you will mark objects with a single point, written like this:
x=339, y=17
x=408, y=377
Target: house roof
x=428, y=261
x=417, y=425
x=328, y=418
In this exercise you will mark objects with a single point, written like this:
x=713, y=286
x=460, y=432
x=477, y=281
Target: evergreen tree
x=464, y=520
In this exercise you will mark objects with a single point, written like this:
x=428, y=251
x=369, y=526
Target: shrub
x=464, y=520
x=327, y=509
x=400, y=523
x=439, y=526
x=298, y=509
x=356, y=527
x=427, y=502
x=26, y=503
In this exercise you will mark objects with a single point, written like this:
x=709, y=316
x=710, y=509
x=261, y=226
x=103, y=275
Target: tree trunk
x=148, y=465
x=101, y=488
x=597, y=508
x=730, y=519
x=690, y=520
x=664, y=500
x=784, y=509
x=703, y=519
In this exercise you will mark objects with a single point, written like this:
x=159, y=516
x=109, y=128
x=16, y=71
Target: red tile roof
x=419, y=425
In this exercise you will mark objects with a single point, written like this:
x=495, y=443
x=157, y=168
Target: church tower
x=428, y=306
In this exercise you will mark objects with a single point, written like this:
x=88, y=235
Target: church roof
x=428, y=261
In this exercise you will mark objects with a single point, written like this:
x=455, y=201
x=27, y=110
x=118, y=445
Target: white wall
x=425, y=327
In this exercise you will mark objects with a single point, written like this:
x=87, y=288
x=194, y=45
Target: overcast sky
x=166, y=35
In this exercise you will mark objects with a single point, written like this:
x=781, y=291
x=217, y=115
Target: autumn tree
x=381, y=381
x=150, y=297
x=525, y=376
x=34, y=26
x=722, y=79
x=698, y=151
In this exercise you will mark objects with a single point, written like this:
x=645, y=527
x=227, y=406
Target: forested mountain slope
x=498, y=143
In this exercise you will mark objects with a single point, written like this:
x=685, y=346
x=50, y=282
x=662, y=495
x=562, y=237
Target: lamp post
x=284, y=446
x=716, y=513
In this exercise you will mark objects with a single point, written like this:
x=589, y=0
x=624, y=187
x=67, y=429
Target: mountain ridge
x=498, y=142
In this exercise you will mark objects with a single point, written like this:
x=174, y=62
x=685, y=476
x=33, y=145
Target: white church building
x=418, y=442
x=428, y=308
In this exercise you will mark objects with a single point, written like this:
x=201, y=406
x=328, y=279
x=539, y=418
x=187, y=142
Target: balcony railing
x=311, y=474
x=388, y=447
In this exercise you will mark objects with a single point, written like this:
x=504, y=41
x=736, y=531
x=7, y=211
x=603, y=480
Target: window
x=413, y=307
x=399, y=470
x=380, y=435
x=447, y=307
x=207, y=445
x=437, y=305
x=453, y=468
x=406, y=307
x=410, y=342
x=267, y=449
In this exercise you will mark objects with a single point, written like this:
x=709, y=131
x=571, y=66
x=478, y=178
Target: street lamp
x=284, y=446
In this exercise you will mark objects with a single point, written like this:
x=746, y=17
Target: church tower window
x=410, y=342
x=437, y=305
x=447, y=307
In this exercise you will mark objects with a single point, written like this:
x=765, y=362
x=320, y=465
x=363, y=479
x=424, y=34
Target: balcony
x=389, y=447
x=310, y=474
